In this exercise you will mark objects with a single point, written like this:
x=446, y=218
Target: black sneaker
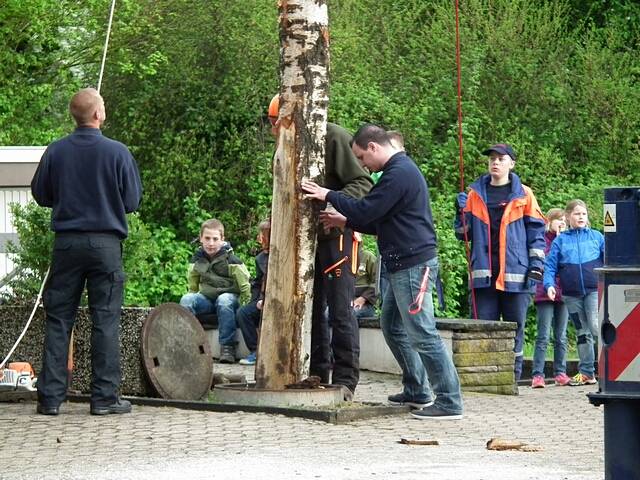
x=402, y=399
x=434, y=413
x=45, y=410
x=227, y=354
x=120, y=406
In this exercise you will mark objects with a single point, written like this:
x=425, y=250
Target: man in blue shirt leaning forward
x=398, y=211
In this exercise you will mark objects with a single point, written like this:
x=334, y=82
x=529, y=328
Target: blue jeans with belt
x=427, y=366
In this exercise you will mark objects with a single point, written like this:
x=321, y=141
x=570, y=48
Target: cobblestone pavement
x=165, y=443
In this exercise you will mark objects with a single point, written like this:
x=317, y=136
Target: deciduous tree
x=283, y=355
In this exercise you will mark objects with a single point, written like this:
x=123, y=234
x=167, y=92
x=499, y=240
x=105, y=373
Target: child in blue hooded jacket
x=573, y=257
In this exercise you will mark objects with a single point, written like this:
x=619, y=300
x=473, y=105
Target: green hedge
x=187, y=84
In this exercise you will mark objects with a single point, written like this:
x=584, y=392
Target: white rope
x=26, y=327
x=106, y=44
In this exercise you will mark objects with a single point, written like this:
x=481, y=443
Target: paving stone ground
x=166, y=443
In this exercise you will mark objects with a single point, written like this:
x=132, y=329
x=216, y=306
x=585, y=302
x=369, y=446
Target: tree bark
x=283, y=353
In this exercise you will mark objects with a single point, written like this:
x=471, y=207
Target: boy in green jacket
x=218, y=283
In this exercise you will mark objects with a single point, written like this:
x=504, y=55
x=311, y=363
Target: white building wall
x=17, y=165
x=7, y=197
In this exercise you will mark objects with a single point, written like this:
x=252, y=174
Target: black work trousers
x=94, y=259
x=339, y=332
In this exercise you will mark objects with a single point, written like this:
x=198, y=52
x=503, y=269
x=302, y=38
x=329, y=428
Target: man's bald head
x=87, y=108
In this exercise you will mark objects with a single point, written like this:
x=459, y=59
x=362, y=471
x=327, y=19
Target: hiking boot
x=581, y=379
x=119, y=406
x=402, y=399
x=562, y=380
x=250, y=360
x=227, y=354
x=537, y=381
x=434, y=413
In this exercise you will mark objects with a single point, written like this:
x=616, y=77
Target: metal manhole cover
x=176, y=353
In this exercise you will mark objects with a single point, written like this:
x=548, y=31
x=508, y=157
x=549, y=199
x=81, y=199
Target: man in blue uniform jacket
x=90, y=182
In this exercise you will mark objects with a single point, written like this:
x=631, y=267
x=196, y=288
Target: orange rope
x=461, y=150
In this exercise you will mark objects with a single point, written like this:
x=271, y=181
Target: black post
x=619, y=362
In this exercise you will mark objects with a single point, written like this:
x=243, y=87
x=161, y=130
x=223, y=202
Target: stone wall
x=134, y=379
x=483, y=355
x=482, y=350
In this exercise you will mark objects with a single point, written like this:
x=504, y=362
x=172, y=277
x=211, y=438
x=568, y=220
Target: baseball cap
x=502, y=149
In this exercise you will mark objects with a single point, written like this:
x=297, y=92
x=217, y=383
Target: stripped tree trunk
x=283, y=354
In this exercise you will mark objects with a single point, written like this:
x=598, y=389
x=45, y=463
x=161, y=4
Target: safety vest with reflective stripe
x=521, y=236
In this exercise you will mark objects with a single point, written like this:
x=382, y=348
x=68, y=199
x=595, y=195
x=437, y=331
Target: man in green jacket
x=365, y=298
x=334, y=285
x=334, y=282
x=218, y=283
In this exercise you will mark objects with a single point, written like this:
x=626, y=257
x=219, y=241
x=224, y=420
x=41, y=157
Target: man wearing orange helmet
x=274, y=112
x=334, y=286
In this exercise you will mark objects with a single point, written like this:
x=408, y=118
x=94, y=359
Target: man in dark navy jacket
x=398, y=211
x=90, y=182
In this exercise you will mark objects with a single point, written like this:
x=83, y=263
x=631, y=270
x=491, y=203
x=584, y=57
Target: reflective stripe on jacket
x=521, y=236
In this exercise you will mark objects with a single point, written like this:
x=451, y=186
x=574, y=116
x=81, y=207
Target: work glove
x=535, y=274
x=461, y=200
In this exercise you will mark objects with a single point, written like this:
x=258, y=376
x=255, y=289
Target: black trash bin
x=619, y=316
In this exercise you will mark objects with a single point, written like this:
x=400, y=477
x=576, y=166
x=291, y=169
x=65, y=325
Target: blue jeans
x=583, y=312
x=427, y=366
x=551, y=313
x=384, y=280
x=224, y=306
x=512, y=307
x=366, y=311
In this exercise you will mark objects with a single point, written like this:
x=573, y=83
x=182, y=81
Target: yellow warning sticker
x=609, y=217
x=608, y=221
